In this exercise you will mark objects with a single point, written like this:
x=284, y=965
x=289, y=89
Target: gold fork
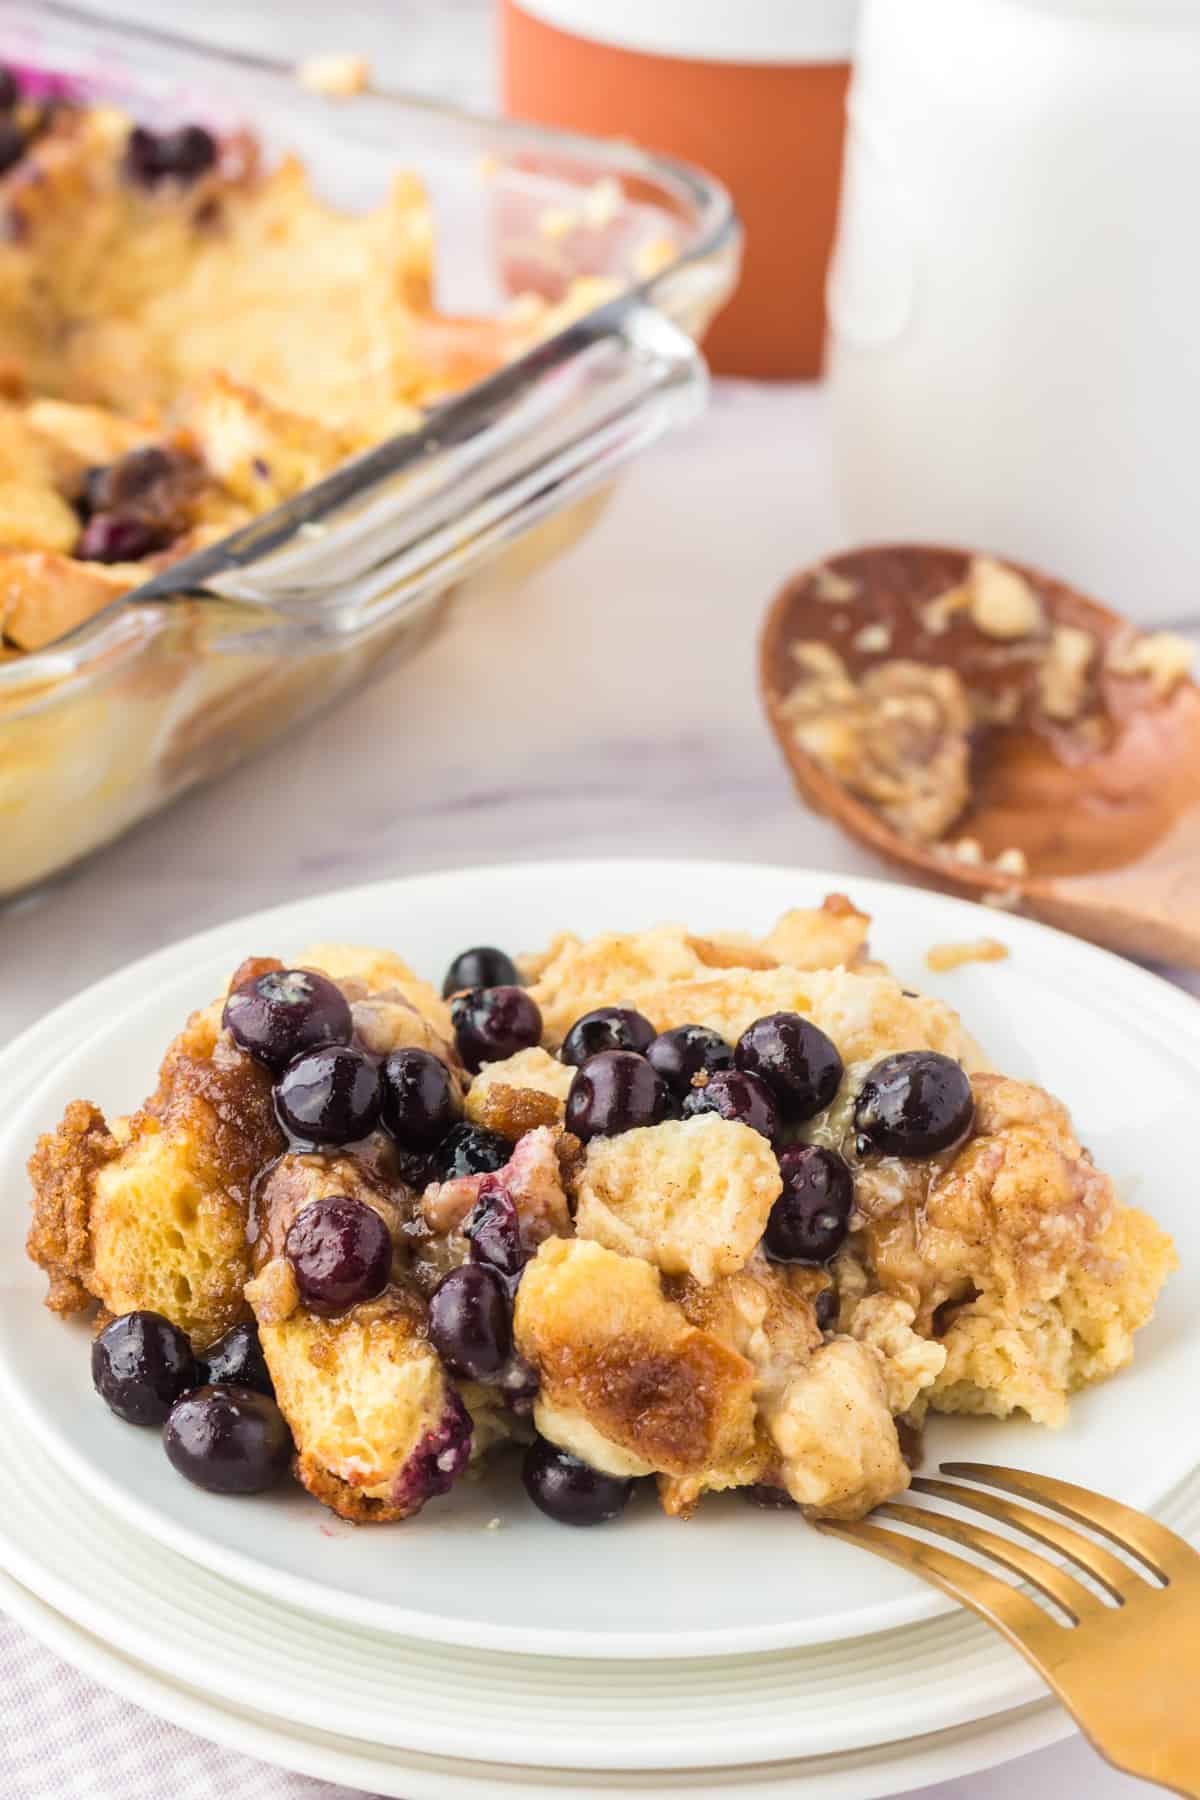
x=1127, y=1667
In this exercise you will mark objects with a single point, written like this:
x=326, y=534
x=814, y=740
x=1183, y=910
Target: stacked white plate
x=479, y=1646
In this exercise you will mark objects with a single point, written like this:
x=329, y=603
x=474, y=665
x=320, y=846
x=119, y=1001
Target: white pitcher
x=1015, y=296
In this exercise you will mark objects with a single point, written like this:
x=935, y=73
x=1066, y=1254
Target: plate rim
x=323, y=1599
x=939, y=1756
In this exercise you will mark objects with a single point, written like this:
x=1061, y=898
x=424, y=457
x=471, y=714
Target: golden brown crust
x=62, y=1170
x=607, y=1344
x=512, y=1111
x=346, y=1501
x=230, y=1097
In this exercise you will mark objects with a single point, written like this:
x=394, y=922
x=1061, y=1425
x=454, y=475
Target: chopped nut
x=941, y=957
x=1063, y=674
x=967, y=850
x=1003, y=605
x=873, y=639
x=1163, y=656
x=825, y=668
x=937, y=613
x=829, y=585
x=1004, y=900
x=338, y=76
x=1011, y=862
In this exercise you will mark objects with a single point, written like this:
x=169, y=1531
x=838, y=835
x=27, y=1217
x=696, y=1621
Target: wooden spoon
x=1103, y=807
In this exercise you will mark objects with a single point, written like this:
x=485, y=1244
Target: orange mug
x=753, y=91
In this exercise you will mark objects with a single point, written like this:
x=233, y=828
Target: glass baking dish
x=211, y=659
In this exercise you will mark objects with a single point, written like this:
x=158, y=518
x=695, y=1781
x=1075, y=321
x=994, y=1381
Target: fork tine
x=1114, y=1576
x=1152, y=1544
x=1055, y=1583
x=1020, y=1619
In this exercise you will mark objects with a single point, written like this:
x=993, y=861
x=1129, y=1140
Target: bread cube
x=520, y=1093
x=152, y=1214
x=691, y=1196
x=378, y=1425
x=608, y=1345
x=839, y=1454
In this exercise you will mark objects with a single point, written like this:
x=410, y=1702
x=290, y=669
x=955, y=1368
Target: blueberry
x=613, y=1092
x=570, y=1491
x=825, y=1309
x=278, y=1015
x=329, y=1095
x=439, y=1458
x=152, y=156
x=810, y=1219
x=679, y=1054
x=470, y=1322
x=741, y=1098
x=10, y=89
x=141, y=1364
x=228, y=1439
x=492, y=1023
x=115, y=537
x=799, y=1064
x=107, y=487
x=482, y=967
x=470, y=1150
x=340, y=1252
x=913, y=1104
x=13, y=144
x=412, y=1168
x=237, y=1357
x=494, y=1231
x=419, y=1099
x=607, y=1028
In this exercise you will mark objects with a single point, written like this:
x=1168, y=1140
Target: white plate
x=858, y=1775
x=196, y=1630
x=1118, y=1044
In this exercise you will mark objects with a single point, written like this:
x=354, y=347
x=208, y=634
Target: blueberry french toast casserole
x=714, y=1212
x=188, y=337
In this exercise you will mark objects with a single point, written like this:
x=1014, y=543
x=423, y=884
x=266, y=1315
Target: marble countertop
x=608, y=705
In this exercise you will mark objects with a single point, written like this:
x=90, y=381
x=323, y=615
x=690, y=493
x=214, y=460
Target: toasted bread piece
x=691, y=1196
x=381, y=972
x=828, y=936
x=378, y=1425
x=63, y=1170
x=609, y=1346
x=763, y=1312
x=520, y=1093
x=154, y=1214
x=839, y=1454
x=571, y=977
x=865, y=1011
x=1016, y=1253
x=910, y=1363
